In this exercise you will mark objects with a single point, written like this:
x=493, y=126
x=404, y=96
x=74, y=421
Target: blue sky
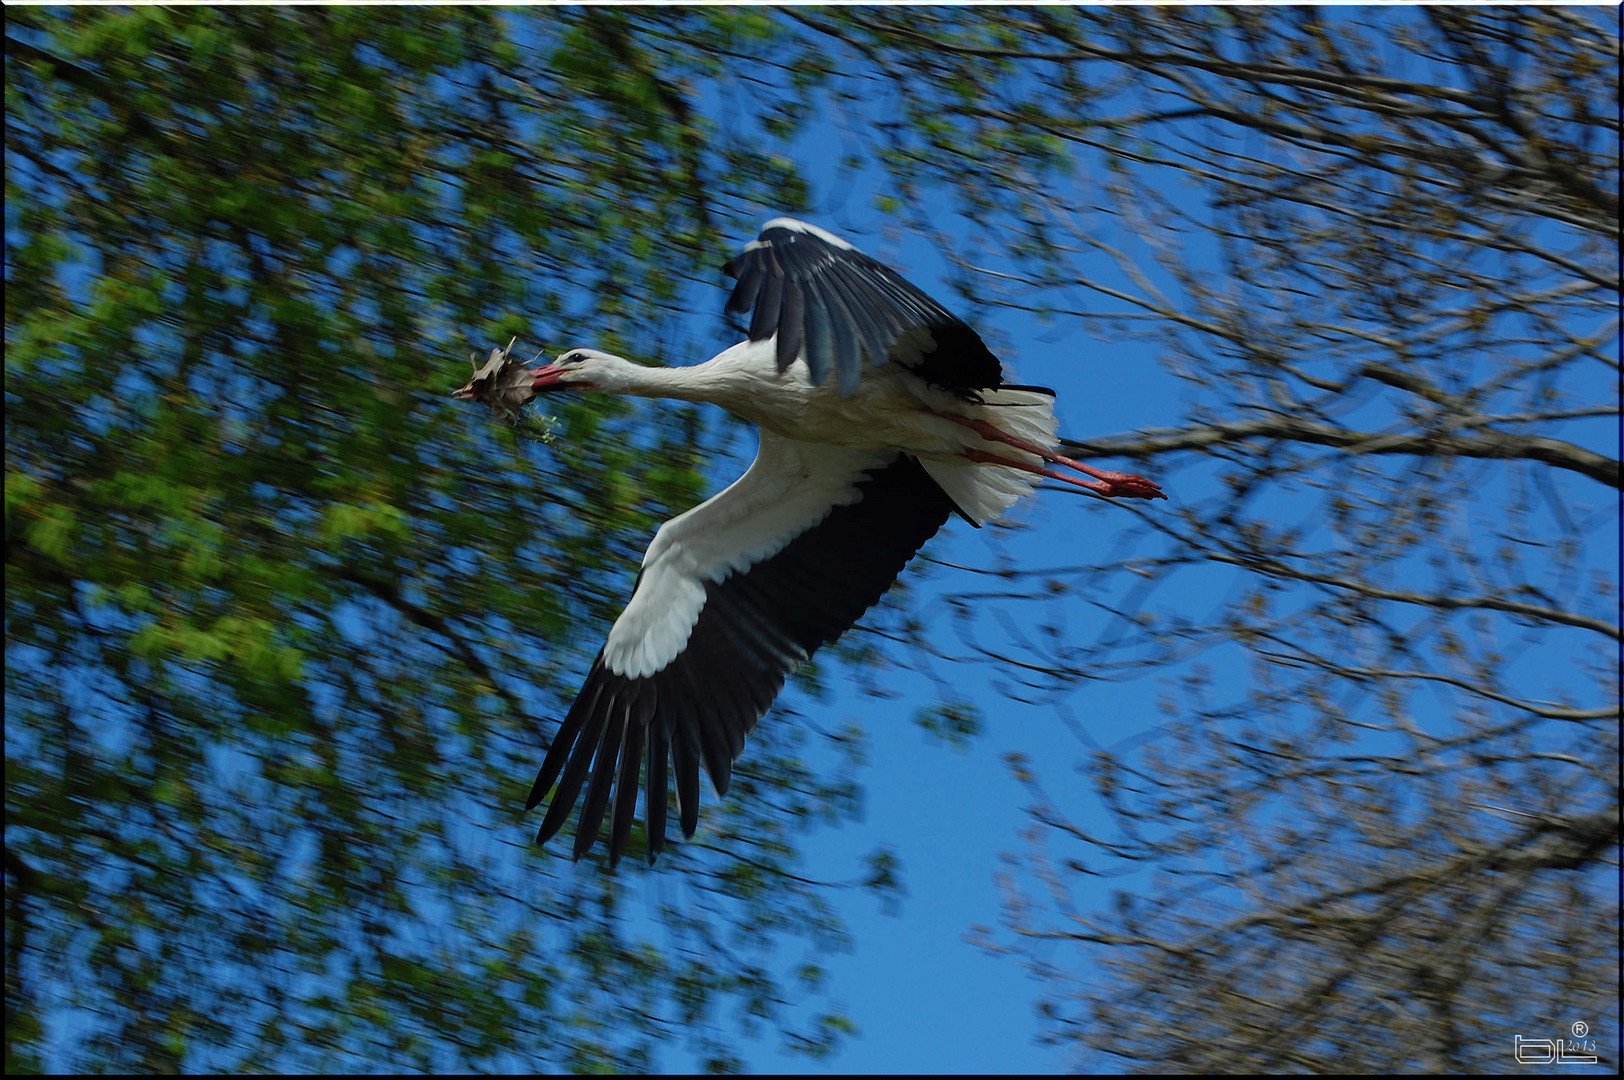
x=925, y=998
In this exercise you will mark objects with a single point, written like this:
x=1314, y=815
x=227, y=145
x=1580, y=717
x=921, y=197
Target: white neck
x=727, y=380
x=682, y=383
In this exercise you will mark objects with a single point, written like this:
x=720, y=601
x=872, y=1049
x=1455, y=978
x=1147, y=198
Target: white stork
x=881, y=414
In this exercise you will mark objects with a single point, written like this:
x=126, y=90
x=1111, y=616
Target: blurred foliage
x=283, y=622
x=955, y=723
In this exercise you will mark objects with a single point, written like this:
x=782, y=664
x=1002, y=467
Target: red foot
x=1112, y=484
x=1129, y=486
x=1120, y=485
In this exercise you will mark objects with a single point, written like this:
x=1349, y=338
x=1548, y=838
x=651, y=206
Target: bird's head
x=507, y=385
x=584, y=369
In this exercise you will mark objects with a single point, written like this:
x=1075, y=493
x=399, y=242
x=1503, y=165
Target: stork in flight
x=881, y=415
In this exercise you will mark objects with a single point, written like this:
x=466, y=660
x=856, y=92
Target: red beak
x=506, y=385
x=548, y=377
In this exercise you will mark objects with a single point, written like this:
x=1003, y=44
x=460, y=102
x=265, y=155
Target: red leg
x=1102, y=487
x=1125, y=485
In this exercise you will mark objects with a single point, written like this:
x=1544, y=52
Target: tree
x=1382, y=252
x=284, y=622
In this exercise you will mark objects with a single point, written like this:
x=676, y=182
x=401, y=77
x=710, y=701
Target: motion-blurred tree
x=1394, y=844
x=282, y=620
x=279, y=618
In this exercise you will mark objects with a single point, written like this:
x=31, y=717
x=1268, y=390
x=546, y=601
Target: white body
x=881, y=413
x=815, y=445
x=891, y=410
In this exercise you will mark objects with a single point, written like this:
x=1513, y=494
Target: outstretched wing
x=733, y=596
x=833, y=307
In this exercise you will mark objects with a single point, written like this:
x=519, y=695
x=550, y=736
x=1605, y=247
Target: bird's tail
x=983, y=492
x=1026, y=412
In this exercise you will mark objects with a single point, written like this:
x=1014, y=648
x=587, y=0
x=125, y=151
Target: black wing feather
x=604, y=768
x=872, y=322
x=791, y=326
x=769, y=303
x=559, y=752
x=580, y=756
x=624, y=810
x=754, y=629
x=820, y=334
x=719, y=712
x=848, y=353
x=833, y=305
x=749, y=287
x=654, y=802
x=685, y=763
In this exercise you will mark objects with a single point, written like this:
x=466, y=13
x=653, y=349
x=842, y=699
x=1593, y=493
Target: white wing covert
x=733, y=596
